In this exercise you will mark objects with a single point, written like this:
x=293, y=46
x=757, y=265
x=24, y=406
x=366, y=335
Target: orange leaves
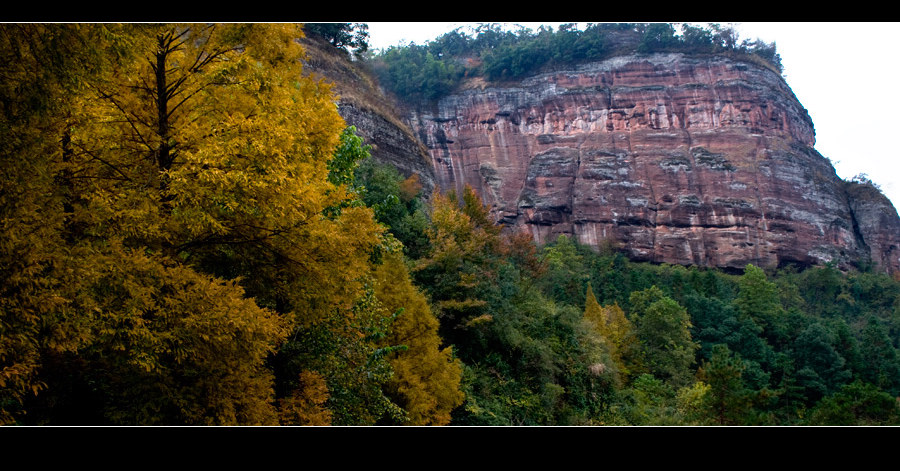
x=410, y=188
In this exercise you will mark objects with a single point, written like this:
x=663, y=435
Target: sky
x=843, y=73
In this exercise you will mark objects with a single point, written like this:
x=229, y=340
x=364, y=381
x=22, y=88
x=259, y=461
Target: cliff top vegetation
x=495, y=53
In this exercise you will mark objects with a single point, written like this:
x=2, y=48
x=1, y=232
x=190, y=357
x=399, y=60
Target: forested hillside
x=191, y=235
x=566, y=335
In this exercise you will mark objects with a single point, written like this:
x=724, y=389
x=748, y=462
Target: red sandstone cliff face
x=703, y=161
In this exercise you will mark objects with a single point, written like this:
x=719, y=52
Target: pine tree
x=728, y=399
x=758, y=298
x=662, y=328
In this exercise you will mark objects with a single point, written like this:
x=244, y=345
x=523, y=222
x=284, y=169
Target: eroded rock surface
x=703, y=161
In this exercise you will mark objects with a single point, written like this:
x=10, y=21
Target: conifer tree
x=758, y=298
x=728, y=399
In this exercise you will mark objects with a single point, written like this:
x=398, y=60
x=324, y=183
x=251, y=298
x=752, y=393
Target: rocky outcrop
x=374, y=114
x=391, y=143
x=877, y=222
x=690, y=160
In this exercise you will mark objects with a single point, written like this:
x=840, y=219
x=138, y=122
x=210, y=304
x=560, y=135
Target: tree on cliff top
x=345, y=36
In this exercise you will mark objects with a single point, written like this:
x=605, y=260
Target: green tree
x=658, y=37
x=758, y=298
x=346, y=36
x=347, y=157
x=821, y=369
x=728, y=399
x=697, y=38
x=662, y=327
x=878, y=354
x=397, y=204
x=649, y=401
x=566, y=274
x=345, y=350
x=857, y=403
x=718, y=322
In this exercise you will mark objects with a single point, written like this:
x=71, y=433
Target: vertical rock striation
x=690, y=160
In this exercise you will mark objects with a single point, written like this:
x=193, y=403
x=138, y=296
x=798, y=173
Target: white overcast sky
x=843, y=73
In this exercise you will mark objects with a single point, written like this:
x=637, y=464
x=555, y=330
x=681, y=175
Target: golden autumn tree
x=169, y=345
x=306, y=403
x=43, y=65
x=614, y=329
x=426, y=377
x=219, y=147
x=182, y=188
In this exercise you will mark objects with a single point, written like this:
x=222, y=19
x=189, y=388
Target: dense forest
x=191, y=235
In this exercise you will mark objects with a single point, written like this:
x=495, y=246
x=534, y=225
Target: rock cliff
x=686, y=160
x=693, y=160
x=375, y=115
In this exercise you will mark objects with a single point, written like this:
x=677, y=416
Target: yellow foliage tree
x=306, y=405
x=213, y=147
x=172, y=346
x=614, y=328
x=43, y=65
x=460, y=252
x=426, y=377
x=164, y=214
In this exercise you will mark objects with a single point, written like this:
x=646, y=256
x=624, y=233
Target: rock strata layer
x=685, y=160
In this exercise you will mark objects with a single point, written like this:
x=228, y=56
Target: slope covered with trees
x=565, y=335
x=191, y=235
